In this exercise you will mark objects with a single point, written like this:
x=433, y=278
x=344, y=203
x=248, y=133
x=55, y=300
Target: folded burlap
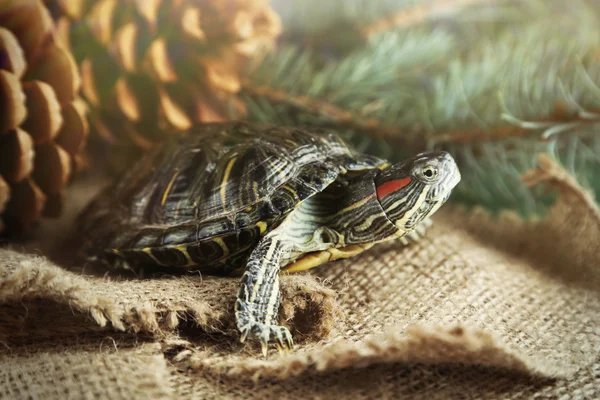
x=483, y=306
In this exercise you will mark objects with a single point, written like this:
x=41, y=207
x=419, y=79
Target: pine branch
x=300, y=17
x=361, y=92
x=555, y=123
x=336, y=115
x=417, y=14
x=341, y=26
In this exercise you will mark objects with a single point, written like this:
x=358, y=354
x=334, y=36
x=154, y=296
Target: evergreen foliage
x=494, y=83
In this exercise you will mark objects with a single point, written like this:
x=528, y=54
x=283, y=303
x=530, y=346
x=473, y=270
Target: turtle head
x=414, y=189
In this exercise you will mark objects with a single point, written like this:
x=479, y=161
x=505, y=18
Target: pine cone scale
x=100, y=20
x=159, y=62
x=16, y=155
x=190, y=24
x=88, y=83
x=57, y=68
x=12, y=57
x=127, y=100
x=124, y=47
x=4, y=196
x=52, y=168
x=174, y=114
x=12, y=107
x=25, y=206
x=29, y=21
x=74, y=130
x=44, y=117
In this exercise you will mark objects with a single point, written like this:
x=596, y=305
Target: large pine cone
x=42, y=123
x=154, y=67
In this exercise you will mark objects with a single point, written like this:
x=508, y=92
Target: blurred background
x=87, y=86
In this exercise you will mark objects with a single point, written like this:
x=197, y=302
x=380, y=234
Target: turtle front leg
x=257, y=305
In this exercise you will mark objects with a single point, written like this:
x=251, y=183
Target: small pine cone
x=42, y=123
x=154, y=67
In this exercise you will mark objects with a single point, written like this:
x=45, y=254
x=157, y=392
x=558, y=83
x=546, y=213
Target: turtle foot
x=264, y=332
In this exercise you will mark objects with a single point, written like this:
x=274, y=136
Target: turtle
x=254, y=200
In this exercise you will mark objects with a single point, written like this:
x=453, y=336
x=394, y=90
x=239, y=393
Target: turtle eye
x=430, y=173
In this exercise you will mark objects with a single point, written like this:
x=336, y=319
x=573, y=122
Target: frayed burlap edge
x=420, y=344
x=27, y=277
x=155, y=307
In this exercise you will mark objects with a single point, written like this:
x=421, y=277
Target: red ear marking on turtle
x=391, y=186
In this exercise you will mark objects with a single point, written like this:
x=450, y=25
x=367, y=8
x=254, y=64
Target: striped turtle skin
x=254, y=200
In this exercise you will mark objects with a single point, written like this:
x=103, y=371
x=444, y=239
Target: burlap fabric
x=482, y=307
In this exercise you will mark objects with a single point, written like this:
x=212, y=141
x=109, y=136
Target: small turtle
x=240, y=198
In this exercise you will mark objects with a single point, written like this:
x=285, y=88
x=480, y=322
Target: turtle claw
x=280, y=349
x=244, y=335
x=284, y=338
x=264, y=333
x=281, y=335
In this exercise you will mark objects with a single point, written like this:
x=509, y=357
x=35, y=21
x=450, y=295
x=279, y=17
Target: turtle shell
x=203, y=200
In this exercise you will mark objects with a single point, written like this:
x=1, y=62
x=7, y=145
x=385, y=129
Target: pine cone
x=42, y=124
x=154, y=67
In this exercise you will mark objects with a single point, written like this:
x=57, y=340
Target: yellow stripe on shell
x=169, y=187
x=183, y=248
x=225, y=180
x=148, y=251
x=291, y=191
x=223, y=246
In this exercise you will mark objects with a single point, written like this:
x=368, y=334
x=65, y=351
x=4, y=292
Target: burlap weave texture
x=482, y=307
